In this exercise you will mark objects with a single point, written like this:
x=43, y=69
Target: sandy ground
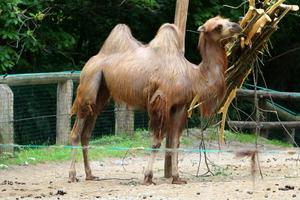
x=232, y=179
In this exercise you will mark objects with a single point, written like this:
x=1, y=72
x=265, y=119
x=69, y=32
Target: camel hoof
x=148, y=180
x=92, y=178
x=179, y=181
x=73, y=179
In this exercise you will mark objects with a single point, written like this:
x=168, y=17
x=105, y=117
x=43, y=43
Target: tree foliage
x=56, y=35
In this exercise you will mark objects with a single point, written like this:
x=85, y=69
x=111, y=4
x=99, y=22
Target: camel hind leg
x=91, y=98
x=75, y=134
x=102, y=100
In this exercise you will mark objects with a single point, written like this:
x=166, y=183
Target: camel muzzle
x=235, y=28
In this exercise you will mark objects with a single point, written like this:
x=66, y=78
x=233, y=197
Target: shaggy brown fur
x=253, y=155
x=155, y=77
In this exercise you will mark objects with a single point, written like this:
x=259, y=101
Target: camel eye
x=219, y=28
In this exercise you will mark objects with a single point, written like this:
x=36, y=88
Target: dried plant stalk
x=259, y=25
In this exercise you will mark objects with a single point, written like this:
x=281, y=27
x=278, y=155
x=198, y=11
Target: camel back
x=119, y=40
x=167, y=39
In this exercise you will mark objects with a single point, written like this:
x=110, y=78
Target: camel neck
x=213, y=54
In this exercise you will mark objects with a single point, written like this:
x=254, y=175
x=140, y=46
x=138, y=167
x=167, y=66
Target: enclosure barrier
x=292, y=120
x=124, y=117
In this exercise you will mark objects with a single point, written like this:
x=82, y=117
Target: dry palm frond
x=258, y=25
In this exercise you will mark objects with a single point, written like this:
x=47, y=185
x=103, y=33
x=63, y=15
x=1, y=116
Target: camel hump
x=119, y=40
x=167, y=39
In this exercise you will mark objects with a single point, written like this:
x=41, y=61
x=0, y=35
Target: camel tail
x=74, y=108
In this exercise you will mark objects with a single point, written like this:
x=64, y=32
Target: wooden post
x=6, y=117
x=124, y=117
x=63, y=118
x=181, y=13
x=291, y=137
x=264, y=116
x=180, y=19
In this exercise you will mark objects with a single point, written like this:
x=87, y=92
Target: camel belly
x=127, y=78
x=126, y=87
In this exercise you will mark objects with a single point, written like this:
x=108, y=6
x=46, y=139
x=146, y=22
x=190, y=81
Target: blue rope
x=186, y=150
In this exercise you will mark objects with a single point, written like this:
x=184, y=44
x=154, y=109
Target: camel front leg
x=178, y=121
x=149, y=170
x=75, y=135
x=174, y=160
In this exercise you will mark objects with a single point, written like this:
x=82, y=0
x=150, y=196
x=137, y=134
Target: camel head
x=218, y=29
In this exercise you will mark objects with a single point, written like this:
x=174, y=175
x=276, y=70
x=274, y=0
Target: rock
x=43, y=195
x=286, y=188
x=294, y=195
x=266, y=196
x=6, y=182
x=290, y=187
x=198, y=193
x=61, y=192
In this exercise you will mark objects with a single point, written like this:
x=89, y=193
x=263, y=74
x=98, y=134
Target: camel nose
x=235, y=28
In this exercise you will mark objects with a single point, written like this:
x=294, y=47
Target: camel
x=155, y=77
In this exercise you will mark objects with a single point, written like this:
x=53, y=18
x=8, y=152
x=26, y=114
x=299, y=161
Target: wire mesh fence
x=35, y=115
x=33, y=109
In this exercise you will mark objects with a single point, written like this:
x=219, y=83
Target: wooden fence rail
x=39, y=78
x=64, y=81
x=293, y=120
x=264, y=125
x=268, y=94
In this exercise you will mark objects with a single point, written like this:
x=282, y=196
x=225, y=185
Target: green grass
x=248, y=138
x=105, y=148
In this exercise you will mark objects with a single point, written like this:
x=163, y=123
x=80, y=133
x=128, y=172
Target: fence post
x=124, y=117
x=63, y=118
x=6, y=117
x=291, y=137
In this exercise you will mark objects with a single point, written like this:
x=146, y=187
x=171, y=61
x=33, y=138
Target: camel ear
x=201, y=29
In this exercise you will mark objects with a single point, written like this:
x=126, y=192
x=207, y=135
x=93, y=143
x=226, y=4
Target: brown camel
x=155, y=77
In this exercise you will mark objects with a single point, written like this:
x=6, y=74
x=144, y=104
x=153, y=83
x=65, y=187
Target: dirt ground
x=232, y=179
